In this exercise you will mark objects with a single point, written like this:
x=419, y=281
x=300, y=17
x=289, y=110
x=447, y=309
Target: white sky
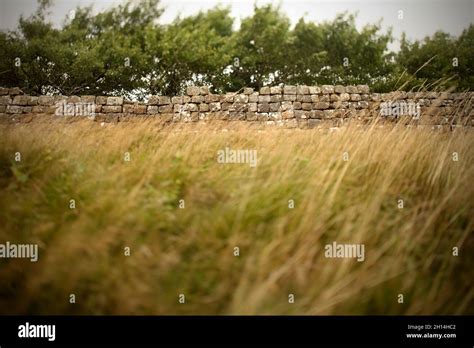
x=420, y=17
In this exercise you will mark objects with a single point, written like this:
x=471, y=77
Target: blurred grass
x=135, y=204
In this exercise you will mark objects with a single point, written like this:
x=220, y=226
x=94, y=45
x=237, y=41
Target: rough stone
x=114, y=101
x=327, y=89
x=289, y=90
x=193, y=90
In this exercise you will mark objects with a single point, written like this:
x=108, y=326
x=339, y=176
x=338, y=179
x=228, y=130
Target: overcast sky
x=420, y=17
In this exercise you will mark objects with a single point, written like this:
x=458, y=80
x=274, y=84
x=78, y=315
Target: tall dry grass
x=190, y=251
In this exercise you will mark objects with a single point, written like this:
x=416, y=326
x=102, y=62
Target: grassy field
x=346, y=186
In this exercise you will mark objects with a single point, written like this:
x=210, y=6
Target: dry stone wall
x=291, y=106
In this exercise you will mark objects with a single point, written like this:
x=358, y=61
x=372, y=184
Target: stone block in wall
x=73, y=99
x=186, y=99
x=298, y=114
x=306, y=98
x=101, y=100
x=46, y=100
x=286, y=105
x=289, y=90
x=317, y=114
x=247, y=90
x=20, y=100
x=276, y=98
x=329, y=113
x=334, y=97
x=351, y=89
x=297, y=105
x=299, y=98
x=313, y=123
x=375, y=97
x=321, y=105
x=215, y=106
x=193, y=90
x=339, y=89
x=14, y=109
x=264, y=90
x=204, y=107
x=152, y=109
x=225, y=106
x=287, y=114
x=325, y=98
x=178, y=108
x=128, y=108
x=241, y=98
x=275, y=90
x=363, y=104
x=32, y=101
x=253, y=107
x=2, y=109
x=355, y=97
x=253, y=98
x=344, y=97
x=363, y=89
x=112, y=109
x=114, y=101
x=306, y=106
x=251, y=116
x=165, y=108
x=5, y=100
x=263, y=107
x=327, y=89
x=204, y=90
x=163, y=100
x=140, y=109
x=4, y=91
x=227, y=98
x=38, y=109
x=153, y=100
x=90, y=99
x=264, y=99
x=314, y=90
x=314, y=98
x=238, y=107
x=289, y=97
x=197, y=99
x=275, y=116
x=15, y=91
x=302, y=90
x=274, y=107
x=177, y=99
x=192, y=107
x=212, y=98
x=424, y=102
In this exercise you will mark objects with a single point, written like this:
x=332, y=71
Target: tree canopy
x=126, y=50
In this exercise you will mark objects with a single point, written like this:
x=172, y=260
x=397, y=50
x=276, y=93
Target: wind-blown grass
x=190, y=251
